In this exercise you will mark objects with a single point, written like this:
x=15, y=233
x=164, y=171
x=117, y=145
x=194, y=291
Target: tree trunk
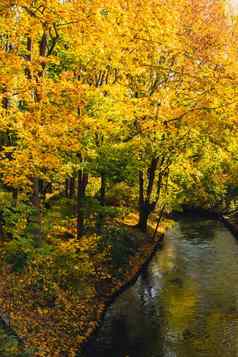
x=67, y=187
x=158, y=221
x=82, y=184
x=100, y=215
x=103, y=190
x=143, y=219
x=71, y=187
x=145, y=204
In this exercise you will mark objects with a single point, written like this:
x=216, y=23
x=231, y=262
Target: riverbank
x=53, y=318
x=228, y=222
x=136, y=266
x=185, y=301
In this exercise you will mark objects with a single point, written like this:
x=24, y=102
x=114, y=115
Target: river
x=184, y=305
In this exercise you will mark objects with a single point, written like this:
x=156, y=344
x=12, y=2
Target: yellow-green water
x=184, y=305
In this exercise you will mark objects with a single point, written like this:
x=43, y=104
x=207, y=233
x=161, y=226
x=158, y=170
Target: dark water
x=184, y=305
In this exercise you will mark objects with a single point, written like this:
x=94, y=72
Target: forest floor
x=55, y=303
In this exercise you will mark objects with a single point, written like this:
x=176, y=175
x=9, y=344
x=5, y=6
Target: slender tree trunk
x=143, y=219
x=151, y=178
x=71, y=187
x=100, y=215
x=67, y=187
x=36, y=219
x=103, y=190
x=145, y=204
x=158, y=221
x=82, y=184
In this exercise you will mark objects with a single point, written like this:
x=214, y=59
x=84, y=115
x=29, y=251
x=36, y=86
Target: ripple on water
x=184, y=305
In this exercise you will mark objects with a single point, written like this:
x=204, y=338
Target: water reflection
x=184, y=305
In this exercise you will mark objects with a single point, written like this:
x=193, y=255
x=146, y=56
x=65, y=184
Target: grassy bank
x=55, y=294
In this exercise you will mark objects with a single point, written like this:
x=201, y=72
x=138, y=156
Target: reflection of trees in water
x=164, y=261
x=146, y=285
x=118, y=334
x=200, y=230
x=184, y=304
x=215, y=337
x=180, y=304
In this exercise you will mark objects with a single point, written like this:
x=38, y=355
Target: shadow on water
x=184, y=305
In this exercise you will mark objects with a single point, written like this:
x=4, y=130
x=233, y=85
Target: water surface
x=184, y=305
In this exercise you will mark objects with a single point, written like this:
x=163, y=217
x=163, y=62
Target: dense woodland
x=109, y=109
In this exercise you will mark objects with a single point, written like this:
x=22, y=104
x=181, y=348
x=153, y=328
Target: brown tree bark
x=146, y=207
x=71, y=187
x=100, y=215
x=103, y=190
x=82, y=184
